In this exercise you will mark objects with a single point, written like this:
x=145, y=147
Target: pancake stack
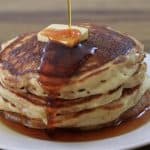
x=92, y=85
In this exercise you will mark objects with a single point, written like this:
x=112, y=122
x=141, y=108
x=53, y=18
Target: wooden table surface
x=131, y=16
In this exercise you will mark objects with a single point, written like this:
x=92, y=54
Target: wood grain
x=131, y=16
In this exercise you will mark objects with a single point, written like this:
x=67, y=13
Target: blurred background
x=19, y=16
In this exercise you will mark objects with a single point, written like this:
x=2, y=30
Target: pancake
x=21, y=60
x=38, y=124
x=105, y=113
x=86, y=118
x=49, y=85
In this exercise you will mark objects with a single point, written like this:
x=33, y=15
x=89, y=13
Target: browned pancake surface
x=102, y=46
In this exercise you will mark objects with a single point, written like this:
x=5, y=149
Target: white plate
x=14, y=141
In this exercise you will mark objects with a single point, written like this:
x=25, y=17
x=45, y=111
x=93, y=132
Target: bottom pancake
x=142, y=106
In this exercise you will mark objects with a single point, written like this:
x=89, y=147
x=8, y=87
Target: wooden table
x=131, y=16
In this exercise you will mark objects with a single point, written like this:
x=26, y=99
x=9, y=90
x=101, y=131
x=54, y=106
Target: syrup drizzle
x=69, y=13
x=62, y=62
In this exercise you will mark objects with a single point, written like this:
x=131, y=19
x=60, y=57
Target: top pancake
x=57, y=66
x=25, y=53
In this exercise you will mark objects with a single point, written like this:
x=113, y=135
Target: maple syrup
x=69, y=13
x=59, y=62
x=76, y=136
x=69, y=37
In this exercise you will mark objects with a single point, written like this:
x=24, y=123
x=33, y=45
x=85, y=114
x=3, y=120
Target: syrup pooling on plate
x=76, y=136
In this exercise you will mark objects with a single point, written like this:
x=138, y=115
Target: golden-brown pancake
x=107, y=57
x=49, y=85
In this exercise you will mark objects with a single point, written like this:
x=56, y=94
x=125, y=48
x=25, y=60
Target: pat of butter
x=58, y=33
